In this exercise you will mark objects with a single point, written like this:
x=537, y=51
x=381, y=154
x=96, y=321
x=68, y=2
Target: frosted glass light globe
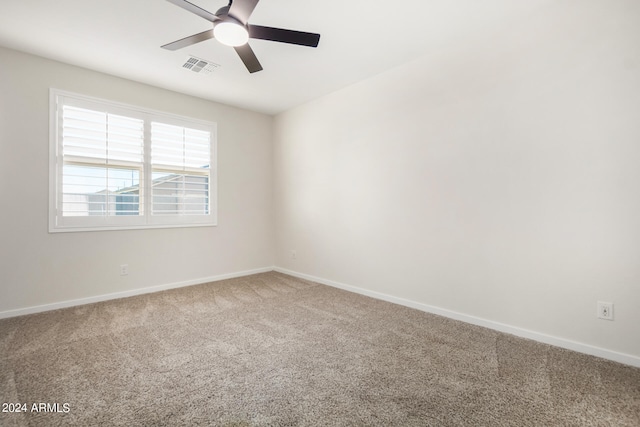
x=230, y=33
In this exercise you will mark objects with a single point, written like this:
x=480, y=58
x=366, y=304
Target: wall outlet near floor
x=605, y=310
x=294, y=254
x=124, y=269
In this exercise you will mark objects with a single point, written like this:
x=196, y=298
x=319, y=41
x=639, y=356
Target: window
x=115, y=166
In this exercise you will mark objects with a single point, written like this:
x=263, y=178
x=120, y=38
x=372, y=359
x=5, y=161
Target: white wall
x=40, y=268
x=499, y=179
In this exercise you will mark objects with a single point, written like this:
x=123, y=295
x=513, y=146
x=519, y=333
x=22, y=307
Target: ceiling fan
x=231, y=27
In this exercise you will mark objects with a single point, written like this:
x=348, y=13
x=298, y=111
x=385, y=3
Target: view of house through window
x=91, y=190
x=116, y=168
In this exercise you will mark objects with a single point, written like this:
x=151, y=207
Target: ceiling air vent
x=198, y=65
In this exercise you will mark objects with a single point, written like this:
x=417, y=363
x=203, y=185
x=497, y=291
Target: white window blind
x=103, y=163
x=180, y=159
x=115, y=166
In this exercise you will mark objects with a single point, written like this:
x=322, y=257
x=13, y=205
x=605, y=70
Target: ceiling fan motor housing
x=223, y=12
x=223, y=16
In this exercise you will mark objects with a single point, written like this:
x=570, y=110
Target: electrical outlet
x=605, y=310
x=294, y=254
x=124, y=269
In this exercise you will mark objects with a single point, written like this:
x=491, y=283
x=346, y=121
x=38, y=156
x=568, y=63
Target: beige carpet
x=273, y=350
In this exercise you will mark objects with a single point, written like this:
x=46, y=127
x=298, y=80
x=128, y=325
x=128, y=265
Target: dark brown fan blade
x=284, y=36
x=188, y=41
x=242, y=9
x=249, y=58
x=195, y=9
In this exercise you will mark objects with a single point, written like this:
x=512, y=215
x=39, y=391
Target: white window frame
x=60, y=223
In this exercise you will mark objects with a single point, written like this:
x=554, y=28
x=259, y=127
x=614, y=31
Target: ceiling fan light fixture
x=231, y=27
x=230, y=33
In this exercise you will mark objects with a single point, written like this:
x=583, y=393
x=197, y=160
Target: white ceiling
x=359, y=38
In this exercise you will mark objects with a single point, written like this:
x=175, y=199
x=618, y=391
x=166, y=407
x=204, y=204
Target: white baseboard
x=626, y=359
x=124, y=294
